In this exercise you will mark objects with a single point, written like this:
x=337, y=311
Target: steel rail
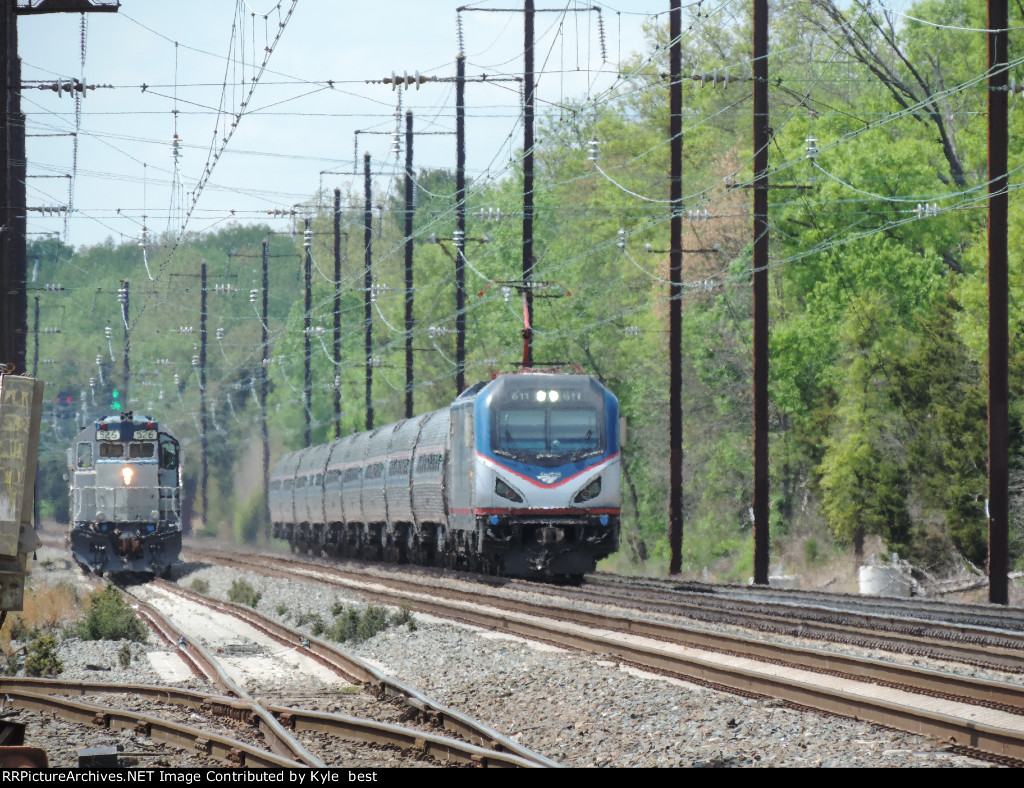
x=972, y=613
x=370, y=731
x=1004, y=743
x=347, y=727
x=829, y=618
x=278, y=739
x=354, y=669
x=905, y=635
x=224, y=749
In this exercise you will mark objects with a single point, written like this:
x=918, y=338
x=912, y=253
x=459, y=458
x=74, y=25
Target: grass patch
x=45, y=608
x=109, y=617
x=241, y=593
x=200, y=586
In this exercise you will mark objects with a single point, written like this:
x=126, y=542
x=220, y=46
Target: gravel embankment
x=576, y=709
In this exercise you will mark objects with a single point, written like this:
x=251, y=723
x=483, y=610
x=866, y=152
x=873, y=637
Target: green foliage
x=878, y=335
x=200, y=586
x=351, y=624
x=109, y=617
x=42, y=659
x=124, y=655
x=242, y=593
x=250, y=519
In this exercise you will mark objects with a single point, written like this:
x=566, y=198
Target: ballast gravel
x=576, y=709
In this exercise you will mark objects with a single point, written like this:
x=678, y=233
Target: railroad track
x=979, y=716
x=229, y=727
x=476, y=744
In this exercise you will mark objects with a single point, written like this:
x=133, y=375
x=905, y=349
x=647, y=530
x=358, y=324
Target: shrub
x=109, y=617
x=350, y=624
x=243, y=594
x=124, y=656
x=404, y=617
x=200, y=586
x=42, y=659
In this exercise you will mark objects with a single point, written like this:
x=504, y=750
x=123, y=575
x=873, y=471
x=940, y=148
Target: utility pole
x=675, y=438
x=528, y=103
x=13, y=268
x=459, y=236
x=122, y=297
x=367, y=288
x=205, y=472
x=760, y=283
x=263, y=387
x=409, y=294
x=337, y=312
x=307, y=374
x=998, y=326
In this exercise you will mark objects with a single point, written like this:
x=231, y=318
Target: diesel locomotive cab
x=548, y=494
x=125, y=485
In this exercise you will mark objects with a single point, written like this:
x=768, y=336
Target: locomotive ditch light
x=127, y=472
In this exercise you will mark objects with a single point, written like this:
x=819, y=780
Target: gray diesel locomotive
x=519, y=476
x=125, y=486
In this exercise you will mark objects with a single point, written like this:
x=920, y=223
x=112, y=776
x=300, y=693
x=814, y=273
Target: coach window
x=84, y=455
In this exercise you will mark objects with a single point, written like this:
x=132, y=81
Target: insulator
x=253, y=295
x=195, y=361
x=812, y=148
x=220, y=333
x=594, y=150
x=506, y=293
x=122, y=295
x=99, y=361
x=631, y=331
x=177, y=379
x=622, y=238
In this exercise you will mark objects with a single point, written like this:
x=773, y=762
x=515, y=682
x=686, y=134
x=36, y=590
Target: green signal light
x=115, y=405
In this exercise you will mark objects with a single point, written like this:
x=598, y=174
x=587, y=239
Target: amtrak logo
x=549, y=478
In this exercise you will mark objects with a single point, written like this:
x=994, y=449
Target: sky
x=274, y=104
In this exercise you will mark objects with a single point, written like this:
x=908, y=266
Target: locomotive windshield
x=549, y=421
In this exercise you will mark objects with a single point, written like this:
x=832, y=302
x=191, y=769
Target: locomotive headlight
x=502, y=489
x=127, y=472
x=590, y=491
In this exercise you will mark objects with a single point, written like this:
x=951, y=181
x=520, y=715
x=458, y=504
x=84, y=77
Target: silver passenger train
x=519, y=476
x=125, y=487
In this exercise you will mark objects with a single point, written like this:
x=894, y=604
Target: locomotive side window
x=168, y=454
x=111, y=450
x=84, y=455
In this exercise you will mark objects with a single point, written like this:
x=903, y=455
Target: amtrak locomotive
x=518, y=476
x=125, y=486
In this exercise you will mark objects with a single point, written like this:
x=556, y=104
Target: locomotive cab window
x=140, y=450
x=84, y=455
x=549, y=426
x=111, y=449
